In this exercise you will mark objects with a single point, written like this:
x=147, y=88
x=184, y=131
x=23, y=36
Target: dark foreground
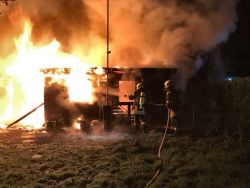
x=72, y=159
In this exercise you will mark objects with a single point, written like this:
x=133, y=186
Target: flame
x=26, y=88
x=77, y=126
x=80, y=86
x=99, y=71
x=8, y=112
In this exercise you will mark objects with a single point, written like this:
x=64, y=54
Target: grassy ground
x=38, y=159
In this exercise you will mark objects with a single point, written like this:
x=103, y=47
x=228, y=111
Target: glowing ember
x=77, y=125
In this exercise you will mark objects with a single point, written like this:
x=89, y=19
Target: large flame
x=22, y=86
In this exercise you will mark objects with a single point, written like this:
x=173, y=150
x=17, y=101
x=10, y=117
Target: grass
x=74, y=161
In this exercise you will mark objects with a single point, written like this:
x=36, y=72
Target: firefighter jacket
x=139, y=101
x=172, y=99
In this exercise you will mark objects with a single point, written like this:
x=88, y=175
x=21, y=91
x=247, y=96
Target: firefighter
x=139, y=106
x=172, y=104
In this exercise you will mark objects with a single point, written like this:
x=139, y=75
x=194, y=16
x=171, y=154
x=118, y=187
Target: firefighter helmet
x=139, y=86
x=168, y=84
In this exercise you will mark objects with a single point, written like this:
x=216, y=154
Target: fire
x=24, y=89
x=77, y=126
x=9, y=110
x=79, y=91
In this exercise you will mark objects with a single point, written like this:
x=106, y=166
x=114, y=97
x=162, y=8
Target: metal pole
x=108, y=52
x=24, y=116
x=107, y=111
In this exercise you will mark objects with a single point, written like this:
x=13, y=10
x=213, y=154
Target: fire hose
x=24, y=116
x=159, y=167
x=155, y=104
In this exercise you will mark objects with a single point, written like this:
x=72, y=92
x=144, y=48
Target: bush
x=238, y=94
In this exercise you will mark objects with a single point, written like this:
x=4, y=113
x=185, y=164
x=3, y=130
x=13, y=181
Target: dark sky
x=236, y=52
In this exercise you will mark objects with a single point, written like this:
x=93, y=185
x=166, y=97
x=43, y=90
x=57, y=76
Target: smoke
x=144, y=33
x=169, y=33
x=74, y=24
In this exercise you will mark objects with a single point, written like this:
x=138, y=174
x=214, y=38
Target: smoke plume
x=144, y=33
x=169, y=33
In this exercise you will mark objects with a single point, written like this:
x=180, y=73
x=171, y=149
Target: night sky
x=236, y=51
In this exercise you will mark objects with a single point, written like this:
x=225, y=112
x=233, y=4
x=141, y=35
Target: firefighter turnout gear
x=139, y=106
x=141, y=102
x=139, y=86
x=173, y=104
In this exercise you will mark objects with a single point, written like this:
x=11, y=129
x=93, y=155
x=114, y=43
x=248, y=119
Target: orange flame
x=25, y=89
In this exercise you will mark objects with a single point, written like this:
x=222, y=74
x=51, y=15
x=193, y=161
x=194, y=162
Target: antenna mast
x=108, y=52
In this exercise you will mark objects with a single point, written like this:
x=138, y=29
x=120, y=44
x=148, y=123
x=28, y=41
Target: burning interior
x=70, y=100
x=64, y=109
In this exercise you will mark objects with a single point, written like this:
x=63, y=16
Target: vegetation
x=218, y=108
x=239, y=112
x=119, y=160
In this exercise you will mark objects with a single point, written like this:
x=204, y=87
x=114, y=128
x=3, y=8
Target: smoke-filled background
x=144, y=33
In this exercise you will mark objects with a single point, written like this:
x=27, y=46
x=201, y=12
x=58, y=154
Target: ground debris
x=36, y=157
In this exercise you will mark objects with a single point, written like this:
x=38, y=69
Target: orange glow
x=25, y=88
x=77, y=126
x=80, y=86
